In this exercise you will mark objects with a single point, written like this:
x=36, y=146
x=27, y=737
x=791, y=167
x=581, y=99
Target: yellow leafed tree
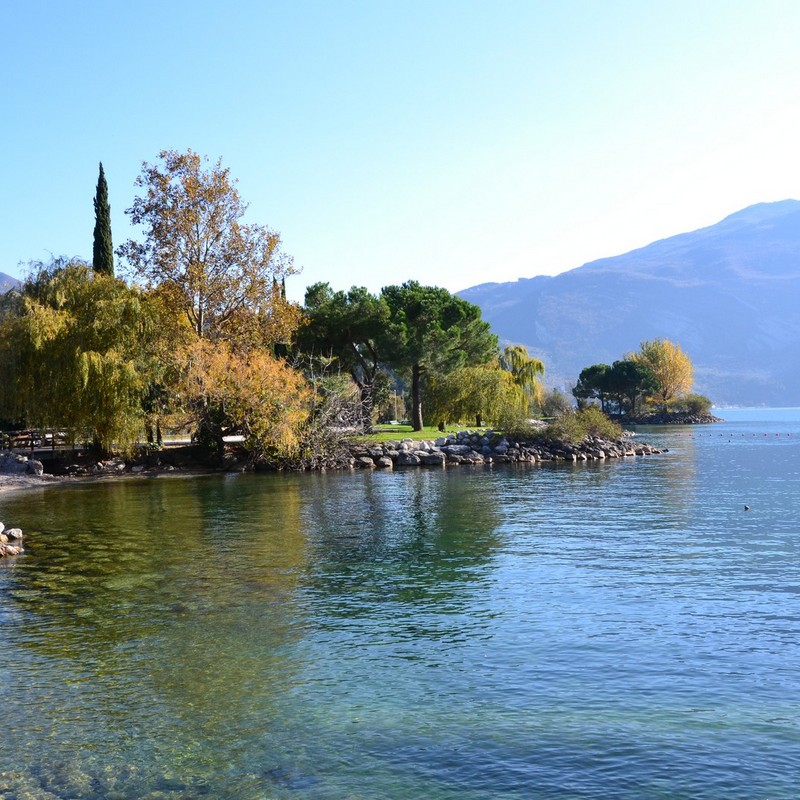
x=670, y=366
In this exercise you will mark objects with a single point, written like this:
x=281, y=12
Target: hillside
x=728, y=294
x=7, y=282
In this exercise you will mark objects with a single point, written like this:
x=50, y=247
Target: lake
x=599, y=630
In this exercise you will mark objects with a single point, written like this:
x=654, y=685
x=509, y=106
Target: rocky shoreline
x=487, y=447
x=466, y=447
x=670, y=418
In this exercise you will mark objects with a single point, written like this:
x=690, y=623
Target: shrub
x=574, y=427
x=555, y=403
x=515, y=425
x=695, y=404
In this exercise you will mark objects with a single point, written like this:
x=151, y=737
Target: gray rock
x=434, y=458
x=456, y=449
x=406, y=459
x=384, y=462
x=14, y=533
x=364, y=462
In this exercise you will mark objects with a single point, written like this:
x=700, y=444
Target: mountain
x=729, y=294
x=8, y=282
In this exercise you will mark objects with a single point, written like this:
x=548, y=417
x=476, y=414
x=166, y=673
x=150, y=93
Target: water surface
x=622, y=630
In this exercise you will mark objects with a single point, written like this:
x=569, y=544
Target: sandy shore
x=9, y=482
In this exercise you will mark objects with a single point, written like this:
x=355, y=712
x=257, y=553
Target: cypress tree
x=103, y=254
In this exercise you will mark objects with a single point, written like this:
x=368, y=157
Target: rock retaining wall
x=486, y=447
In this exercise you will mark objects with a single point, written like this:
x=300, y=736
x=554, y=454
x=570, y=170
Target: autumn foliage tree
x=218, y=271
x=224, y=277
x=669, y=365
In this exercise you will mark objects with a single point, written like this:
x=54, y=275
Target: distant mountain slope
x=729, y=294
x=7, y=282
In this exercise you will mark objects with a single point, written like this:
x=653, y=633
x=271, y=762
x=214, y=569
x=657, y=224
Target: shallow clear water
x=620, y=630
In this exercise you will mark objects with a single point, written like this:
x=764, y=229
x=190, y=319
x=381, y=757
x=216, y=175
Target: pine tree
x=103, y=254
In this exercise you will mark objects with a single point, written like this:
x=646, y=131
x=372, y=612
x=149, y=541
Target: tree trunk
x=416, y=399
x=367, y=406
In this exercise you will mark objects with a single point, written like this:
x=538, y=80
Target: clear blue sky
x=453, y=142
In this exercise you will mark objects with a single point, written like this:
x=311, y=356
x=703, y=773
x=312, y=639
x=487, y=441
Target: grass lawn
x=393, y=433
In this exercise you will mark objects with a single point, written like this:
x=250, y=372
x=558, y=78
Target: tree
x=525, y=371
x=593, y=384
x=349, y=326
x=251, y=394
x=670, y=366
x=480, y=393
x=431, y=330
x=103, y=251
x=224, y=275
x=225, y=279
x=76, y=352
x=628, y=381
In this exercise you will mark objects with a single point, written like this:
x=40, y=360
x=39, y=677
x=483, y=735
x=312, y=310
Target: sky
x=453, y=142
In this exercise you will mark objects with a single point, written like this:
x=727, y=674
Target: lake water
x=615, y=630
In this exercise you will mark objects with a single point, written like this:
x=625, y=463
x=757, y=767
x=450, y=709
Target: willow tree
x=471, y=394
x=74, y=354
x=669, y=365
x=526, y=372
x=223, y=276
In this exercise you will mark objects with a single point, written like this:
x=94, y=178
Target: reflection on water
x=594, y=630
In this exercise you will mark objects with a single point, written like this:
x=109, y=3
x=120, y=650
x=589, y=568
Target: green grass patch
x=393, y=433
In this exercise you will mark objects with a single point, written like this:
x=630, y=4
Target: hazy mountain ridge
x=727, y=293
x=8, y=282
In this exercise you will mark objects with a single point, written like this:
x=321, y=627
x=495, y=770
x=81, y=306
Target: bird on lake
x=747, y=508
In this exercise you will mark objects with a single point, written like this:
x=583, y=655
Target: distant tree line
x=657, y=376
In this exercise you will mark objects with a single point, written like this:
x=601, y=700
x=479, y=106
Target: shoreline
x=468, y=449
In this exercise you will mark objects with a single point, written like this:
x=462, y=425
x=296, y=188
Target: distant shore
x=670, y=418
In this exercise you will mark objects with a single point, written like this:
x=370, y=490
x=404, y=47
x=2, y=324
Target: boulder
x=16, y=464
x=433, y=458
x=457, y=449
x=384, y=462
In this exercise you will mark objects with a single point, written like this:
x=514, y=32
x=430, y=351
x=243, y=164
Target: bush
x=574, y=427
x=697, y=404
x=555, y=403
x=515, y=425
